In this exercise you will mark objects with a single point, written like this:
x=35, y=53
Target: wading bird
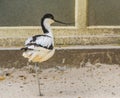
x=40, y=48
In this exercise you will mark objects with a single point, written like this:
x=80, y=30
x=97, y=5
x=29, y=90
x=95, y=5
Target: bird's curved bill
x=62, y=22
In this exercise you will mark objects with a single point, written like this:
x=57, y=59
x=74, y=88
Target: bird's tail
x=27, y=52
x=25, y=49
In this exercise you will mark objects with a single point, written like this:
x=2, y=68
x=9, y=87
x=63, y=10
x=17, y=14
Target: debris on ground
x=90, y=81
x=2, y=78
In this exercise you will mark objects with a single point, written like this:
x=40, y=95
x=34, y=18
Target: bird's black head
x=48, y=15
x=49, y=19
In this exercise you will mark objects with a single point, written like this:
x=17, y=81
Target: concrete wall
x=29, y=12
x=80, y=34
x=104, y=12
x=64, y=57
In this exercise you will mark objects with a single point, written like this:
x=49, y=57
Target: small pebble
x=21, y=86
x=45, y=77
x=72, y=83
x=7, y=74
x=9, y=84
x=74, y=91
x=61, y=92
x=22, y=76
x=113, y=93
x=41, y=83
x=2, y=77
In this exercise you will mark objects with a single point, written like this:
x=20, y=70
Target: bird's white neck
x=47, y=26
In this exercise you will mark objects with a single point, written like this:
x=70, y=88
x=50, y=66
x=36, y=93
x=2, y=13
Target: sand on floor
x=91, y=81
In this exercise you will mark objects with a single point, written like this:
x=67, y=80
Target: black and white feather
x=39, y=48
x=44, y=41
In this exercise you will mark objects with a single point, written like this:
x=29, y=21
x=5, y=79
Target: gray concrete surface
x=90, y=81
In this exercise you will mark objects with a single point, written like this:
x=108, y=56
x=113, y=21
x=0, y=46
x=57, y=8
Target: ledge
x=65, y=56
x=66, y=40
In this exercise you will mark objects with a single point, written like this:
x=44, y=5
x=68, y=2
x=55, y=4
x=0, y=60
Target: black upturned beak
x=62, y=22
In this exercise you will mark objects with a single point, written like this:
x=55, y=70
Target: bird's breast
x=39, y=54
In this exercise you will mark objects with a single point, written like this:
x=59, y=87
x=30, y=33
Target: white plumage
x=40, y=48
x=42, y=40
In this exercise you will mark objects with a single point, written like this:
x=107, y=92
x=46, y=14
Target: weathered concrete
x=103, y=13
x=28, y=13
x=65, y=56
x=66, y=40
x=80, y=34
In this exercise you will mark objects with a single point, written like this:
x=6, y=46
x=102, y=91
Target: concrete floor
x=90, y=81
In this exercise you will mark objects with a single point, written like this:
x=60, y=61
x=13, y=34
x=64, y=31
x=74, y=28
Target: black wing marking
x=50, y=47
x=26, y=48
x=35, y=41
x=35, y=37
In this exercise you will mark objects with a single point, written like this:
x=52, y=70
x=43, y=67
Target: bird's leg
x=36, y=70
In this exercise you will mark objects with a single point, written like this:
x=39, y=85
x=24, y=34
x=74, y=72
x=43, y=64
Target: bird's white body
x=40, y=47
